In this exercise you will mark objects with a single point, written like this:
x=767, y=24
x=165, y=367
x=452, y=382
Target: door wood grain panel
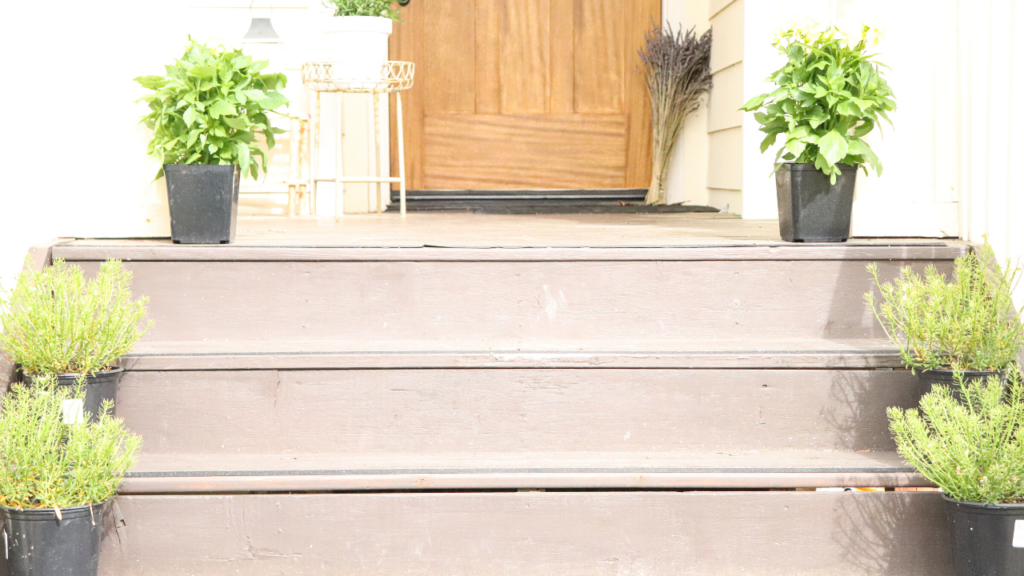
x=514, y=94
x=524, y=151
x=449, y=74
x=599, y=56
x=525, y=56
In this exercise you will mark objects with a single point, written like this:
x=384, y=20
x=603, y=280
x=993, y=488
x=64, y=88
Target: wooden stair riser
x=524, y=301
x=530, y=533
x=513, y=410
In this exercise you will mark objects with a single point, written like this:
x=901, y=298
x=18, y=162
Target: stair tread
x=517, y=463
x=725, y=353
x=526, y=248
x=197, y=473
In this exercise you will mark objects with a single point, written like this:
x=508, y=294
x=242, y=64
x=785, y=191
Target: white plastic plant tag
x=74, y=411
x=1018, y=534
x=7, y=555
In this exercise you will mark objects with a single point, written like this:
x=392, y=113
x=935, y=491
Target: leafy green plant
x=969, y=322
x=972, y=448
x=830, y=95
x=51, y=459
x=678, y=71
x=211, y=107
x=381, y=8
x=57, y=322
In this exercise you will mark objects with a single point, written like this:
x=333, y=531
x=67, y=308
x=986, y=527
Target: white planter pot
x=358, y=45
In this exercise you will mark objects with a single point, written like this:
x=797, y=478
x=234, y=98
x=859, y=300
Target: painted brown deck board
x=462, y=230
x=472, y=411
x=92, y=250
x=502, y=300
x=725, y=353
x=532, y=533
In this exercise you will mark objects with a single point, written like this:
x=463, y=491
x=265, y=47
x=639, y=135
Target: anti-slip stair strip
x=465, y=471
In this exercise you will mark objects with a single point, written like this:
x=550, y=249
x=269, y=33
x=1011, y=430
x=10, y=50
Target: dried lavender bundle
x=678, y=69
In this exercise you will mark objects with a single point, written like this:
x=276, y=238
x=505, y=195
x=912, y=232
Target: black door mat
x=616, y=201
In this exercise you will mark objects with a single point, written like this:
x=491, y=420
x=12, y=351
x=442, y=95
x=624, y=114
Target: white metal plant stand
x=394, y=77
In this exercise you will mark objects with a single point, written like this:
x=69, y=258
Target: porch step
x=467, y=410
x=529, y=295
x=752, y=352
x=202, y=473
x=583, y=533
x=373, y=407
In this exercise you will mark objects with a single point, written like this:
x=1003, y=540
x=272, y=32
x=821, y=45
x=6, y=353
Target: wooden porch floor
x=465, y=230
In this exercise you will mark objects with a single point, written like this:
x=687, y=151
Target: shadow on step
x=891, y=536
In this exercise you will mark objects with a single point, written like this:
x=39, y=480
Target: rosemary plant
x=50, y=459
x=973, y=449
x=678, y=71
x=363, y=8
x=969, y=322
x=57, y=322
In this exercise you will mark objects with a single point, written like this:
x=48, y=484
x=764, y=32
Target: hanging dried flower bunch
x=678, y=69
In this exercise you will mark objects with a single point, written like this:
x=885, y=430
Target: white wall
x=990, y=92
x=73, y=156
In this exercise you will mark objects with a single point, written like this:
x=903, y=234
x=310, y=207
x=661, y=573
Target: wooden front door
x=526, y=94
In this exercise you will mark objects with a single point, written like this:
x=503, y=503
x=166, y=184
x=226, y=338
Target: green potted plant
x=206, y=115
x=57, y=322
x=830, y=95
x=357, y=38
x=972, y=447
x=968, y=322
x=58, y=474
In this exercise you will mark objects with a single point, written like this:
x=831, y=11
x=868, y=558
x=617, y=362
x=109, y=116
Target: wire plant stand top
x=394, y=77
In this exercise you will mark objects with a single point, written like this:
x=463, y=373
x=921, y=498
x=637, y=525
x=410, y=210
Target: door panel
x=514, y=94
x=533, y=151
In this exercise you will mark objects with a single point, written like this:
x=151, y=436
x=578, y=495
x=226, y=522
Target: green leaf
x=800, y=132
x=274, y=100
x=237, y=123
x=796, y=146
x=243, y=156
x=255, y=95
x=754, y=103
x=203, y=71
x=867, y=126
x=189, y=116
x=222, y=108
x=833, y=147
x=848, y=108
x=768, y=141
x=152, y=82
x=861, y=148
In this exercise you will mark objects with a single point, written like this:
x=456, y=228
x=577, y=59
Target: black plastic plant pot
x=811, y=208
x=988, y=540
x=98, y=387
x=38, y=543
x=929, y=378
x=204, y=202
